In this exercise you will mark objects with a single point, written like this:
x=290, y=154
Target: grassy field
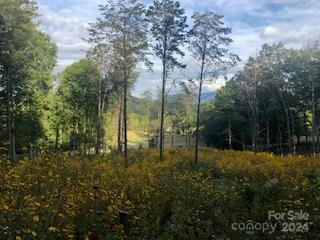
x=137, y=139
x=228, y=195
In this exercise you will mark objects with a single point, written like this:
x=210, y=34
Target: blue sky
x=253, y=22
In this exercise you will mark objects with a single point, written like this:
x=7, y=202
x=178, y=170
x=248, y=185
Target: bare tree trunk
x=99, y=115
x=198, y=107
x=125, y=117
x=164, y=78
x=125, y=69
x=119, y=142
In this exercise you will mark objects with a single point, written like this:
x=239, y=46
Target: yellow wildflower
x=35, y=218
x=52, y=229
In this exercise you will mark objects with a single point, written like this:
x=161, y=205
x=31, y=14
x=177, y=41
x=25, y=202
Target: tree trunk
x=56, y=147
x=164, y=78
x=98, y=140
x=255, y=113
x=198, y=108
x=119, y=122
x=293, y=133
x=98, y=124
x=285, y=108
x=125, y=117
x=125, y=69
x=149, y=118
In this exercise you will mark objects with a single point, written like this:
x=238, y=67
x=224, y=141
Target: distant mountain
x=137, y=105
x=208, y=96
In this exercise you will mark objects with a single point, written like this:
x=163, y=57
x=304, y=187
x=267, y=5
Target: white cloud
x=293, y=22
x=291, y=37
x=67, y=30
x=270, y=32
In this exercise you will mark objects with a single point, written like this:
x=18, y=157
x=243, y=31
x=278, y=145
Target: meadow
x=64, y=197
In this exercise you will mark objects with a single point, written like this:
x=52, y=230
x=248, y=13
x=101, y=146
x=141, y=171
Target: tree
x=100, y=56
x=13, y=41
x=123, y=29
x=79, y=90
x=168, y=24
x=208, y=39
x=27, y=58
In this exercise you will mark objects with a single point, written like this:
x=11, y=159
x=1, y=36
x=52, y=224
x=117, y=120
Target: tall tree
x=26, y=60
x=124, y=29
x=101, y=56
x=168, y=24
x=79, y=89
x=209, y=38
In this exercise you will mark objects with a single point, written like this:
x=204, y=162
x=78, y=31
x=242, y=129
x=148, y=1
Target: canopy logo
x=250, y=227
x=290, y=221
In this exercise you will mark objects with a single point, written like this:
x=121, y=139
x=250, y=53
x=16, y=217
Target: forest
x=82, y=157
x=271, y=104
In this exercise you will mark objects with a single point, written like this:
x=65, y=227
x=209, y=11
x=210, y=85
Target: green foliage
x=275, y=91
x=27, y=58
x=168, y=29
x=77, y=112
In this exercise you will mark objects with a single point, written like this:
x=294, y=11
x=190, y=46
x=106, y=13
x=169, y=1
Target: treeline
x=91, y=96
x=271, y=105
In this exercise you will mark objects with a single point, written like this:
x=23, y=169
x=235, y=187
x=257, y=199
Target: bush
x=56, y=197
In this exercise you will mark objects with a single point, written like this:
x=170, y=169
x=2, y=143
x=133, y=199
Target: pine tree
x=168, y=24
x=209, y=38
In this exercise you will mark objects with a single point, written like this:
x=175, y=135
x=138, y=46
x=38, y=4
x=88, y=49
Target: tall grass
x=56, y=197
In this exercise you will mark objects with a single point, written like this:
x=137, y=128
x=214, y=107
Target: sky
x=254, y=22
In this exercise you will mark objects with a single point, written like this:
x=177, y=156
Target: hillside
x=58, y=197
